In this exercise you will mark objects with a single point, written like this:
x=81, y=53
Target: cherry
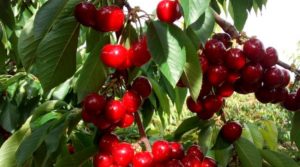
x=86, y=117
x=291, y=102
x=280, y=95
x=126, y=121
x=109, y=18
x=235, y=59
x=213, y=103
x=71, y=148
x=206, y=88
x=107, y=142
x=180, y=83
x=273, y=77
x=94, y=103
x=114, y=56
x=215, y=51
x=114, y=110
x=193, y=106
x=265, y=95
x=225, y=90
x=205, y=115
x=195, y=150
x=252, y=73
x=298, y=94
x=231, y=131
x=233, y=77
x=270, y=58
x=254, y=49
x=142, y=159
x=177, y=151
x=286, y=78
x=174, y=163
x=245, y=88
x=224, y=38
x=217, y=74
x=123, y=153
x=142, y=86
x=131, y=101
x=208, y=162
x=191, y=161
x=161, y=150
x=204, y=63
x=140, y=52
x=103, y=159
x=85, y=13
x=101, y=123
x=168, y=11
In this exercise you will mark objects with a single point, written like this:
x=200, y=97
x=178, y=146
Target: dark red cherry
x=109, y=18
x=142, y=86
x=286, y=78
x=86, y=117
x=204, y=63
x=254, y=49
x=273, y=77
x=71, y=148
x=225, y=90
x=265, y=95
x=195, y=150
x=101, y=123
x=206, y=88
x=217, y=74
x=280, y=95
x=252, y=73
x=131, y=101
x=224, y=38
x=245, y=88
x=209, y=162
x=231, y=131
x=140, y=52
x=123, y=153
x=94, y=103
x=107, y=142
x=114, y=56
x=114, y=110
x=291, y=102
x=168, y=11
x=193, y=106
x=142, y=159
x=233, y=77
x=85, y=13
x=213, y=103
x=270, y=58
x=161, y=150
x=177, y=151
x=103, y=159
x=126, y=121
x=215, y=51
x=235, y=59
x=174, y=163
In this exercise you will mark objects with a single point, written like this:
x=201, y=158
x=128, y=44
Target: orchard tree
x=81, y=82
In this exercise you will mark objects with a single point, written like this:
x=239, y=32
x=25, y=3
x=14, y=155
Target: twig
x=142, y=132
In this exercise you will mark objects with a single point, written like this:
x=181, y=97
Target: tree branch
x=142, y=132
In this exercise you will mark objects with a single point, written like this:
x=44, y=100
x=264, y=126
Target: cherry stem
x=233, y=32
x=142, y=132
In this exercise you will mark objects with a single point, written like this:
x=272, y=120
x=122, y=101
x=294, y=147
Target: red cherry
x=71, y=148
x=206, y=88
x=109, y=18
x=142, y=86
x=235, y=59
x=224, y=38
x=101, y=123
x=161, y=150
x=107, y=142
x=177, y=151
x=142, y=159
x=85, y=13
x=245, y=88
x=174, y=163
x=195, y=150
x=286, y=78
x=280, y=95
x=270, y=58
x=204, y=63
x=213, y=103
x=208, y=162
x=168, y=11
x=103, y=159
x=265, y=95
x=86, y=117
x=114, y=56
x=123, y=153
x=254, y=49
x=180, y=83
x=114, y=111
x=140, y=52
x=217, y=74
x=126, y=121
x=215, y=51
x=193, y=106
x=291, y=102
x=131, y=101
x=252, y=73
x=225, y=90
x=273, y=77
x=191, y=161
x=233, y=77
x=205, y=115
x=298, y=94
x=94, y=103
x=231, y=131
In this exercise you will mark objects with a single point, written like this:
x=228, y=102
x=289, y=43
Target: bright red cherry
x=254, y=49
x=195, y=150
x=109, y=18
x=225, y=90
x=217, y=74
x=107, y=142
x=168, y=11
x=191, y=161
x=177, y=151
x=235, y=59
x=131, y=101
x=142, y=159
x=204, y=63
x=123, y=153
x=209, y=162
x=231, y=131
x=252, y=73
x=114, y=56
x=114, y=110
x=103, y=159
x=215, y=51
x=273, y=77
x=291, y=102
x=270, y=58
x=161, y=150
x=126, y=121
x=140, y=52
x=94, y=103
x=142, y=86
x=213, y=103
x=174, y=163
x=85, y=13
x=193, y=106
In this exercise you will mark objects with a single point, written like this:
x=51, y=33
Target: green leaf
x=61, y=91
x=147, y=113
x=238, y=11
x=56, y=54
x=6, y=14
x=201, y=30
x=31, y=144
x=248, y=154
x=295, y=135
x=9, y=116
x=93, y=73
x=78, y=158
x=47, y=107
x=223, y=156
x=270, y=134
x=276, y=159
x=255, y=135
x=166, y=44
x=193, y=9
x=10, y=146
x=180, y=96
x=92, y=39
x=205, y=138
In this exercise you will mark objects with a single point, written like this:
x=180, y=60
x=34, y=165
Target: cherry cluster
x=113, y=152
x=106, y=113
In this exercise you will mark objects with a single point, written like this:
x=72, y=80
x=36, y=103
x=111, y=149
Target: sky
x=278, y=24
